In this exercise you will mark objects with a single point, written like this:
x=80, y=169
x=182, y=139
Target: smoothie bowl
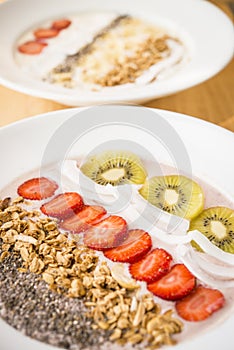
x=116, y=231
x=83, y=53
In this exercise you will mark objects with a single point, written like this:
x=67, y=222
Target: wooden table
x=212, y=100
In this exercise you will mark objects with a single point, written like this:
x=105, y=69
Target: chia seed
x=68, y=65
x=27, y=304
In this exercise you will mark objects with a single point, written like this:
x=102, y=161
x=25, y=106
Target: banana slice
x=119, y=274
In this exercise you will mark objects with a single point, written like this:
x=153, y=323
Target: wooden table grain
x=212, y=100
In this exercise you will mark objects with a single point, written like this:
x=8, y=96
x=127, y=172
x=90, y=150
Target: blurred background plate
x=206, y=29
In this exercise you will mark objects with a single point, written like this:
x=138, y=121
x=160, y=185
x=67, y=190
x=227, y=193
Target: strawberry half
x=175, y=285
x=46, y=33
x=106, y=234
x=61, y=24
x=152, y=267
x=200, y=304
x=80, y=221
x=37, y=189
x=32, y=47
x=63, y=205
x=137, y=245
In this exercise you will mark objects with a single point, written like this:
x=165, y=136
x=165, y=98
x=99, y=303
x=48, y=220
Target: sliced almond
x=119, y=274
x=26, y=239
x=139, y=314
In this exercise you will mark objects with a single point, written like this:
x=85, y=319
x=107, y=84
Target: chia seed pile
x=27, y=304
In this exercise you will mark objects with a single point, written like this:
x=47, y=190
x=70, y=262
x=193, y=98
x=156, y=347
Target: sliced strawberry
x=108, y=233
x=37, y=189
x=80, y=221
x=63, y=205
x=200, y=304
x=175, y=285
x=61, y=24
x=152, y=267
x=137, y=245
x=32, y=47
x=46, y=33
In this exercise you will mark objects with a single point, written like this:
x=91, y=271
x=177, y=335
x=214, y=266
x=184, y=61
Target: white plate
x=207, y=147
x=207, y=31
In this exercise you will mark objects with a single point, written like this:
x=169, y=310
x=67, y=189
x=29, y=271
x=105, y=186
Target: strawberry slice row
x=35, y=47
x=174, y=283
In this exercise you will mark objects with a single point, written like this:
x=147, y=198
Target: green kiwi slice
x=175, y=194
x=217, y=224
x=115, y=168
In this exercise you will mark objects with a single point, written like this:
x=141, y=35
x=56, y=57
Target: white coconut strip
x=169, y=238
x=213, y=268
x=185, y=256
x=160, y=218
x=211, y=249
x=73, y=176
x=210, y=264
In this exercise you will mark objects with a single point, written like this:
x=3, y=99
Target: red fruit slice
x=106, y=234
x=200, y=304
x=152, y=267
x=32, y=47
x=175, y=285
x=61, y=24
x=63, y=205
x=46, y=33
x=37, y=188
x=80, y=221
x=137, y=245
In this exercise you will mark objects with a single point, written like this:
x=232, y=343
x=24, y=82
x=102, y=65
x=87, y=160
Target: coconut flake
x=186, y=256
x=215, y=268
x=211, y=249
x=73, y=177
x=161, y=219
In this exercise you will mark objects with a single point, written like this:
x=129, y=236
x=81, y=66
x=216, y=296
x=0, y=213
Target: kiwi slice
x=115, y=168
x=175, y=194
x=217, y=224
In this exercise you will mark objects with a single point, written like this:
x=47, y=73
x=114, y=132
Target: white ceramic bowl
x=206, y=30
x=209, y=147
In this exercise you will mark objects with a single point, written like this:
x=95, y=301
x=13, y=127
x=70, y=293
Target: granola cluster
x=72, y=269
x=128, y=70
